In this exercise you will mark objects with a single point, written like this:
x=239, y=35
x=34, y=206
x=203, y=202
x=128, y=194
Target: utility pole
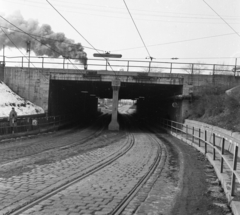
x=3, y=55
x=28, y=51
x=235, y=67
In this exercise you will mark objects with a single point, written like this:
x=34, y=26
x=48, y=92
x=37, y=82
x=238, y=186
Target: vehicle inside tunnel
x=81, y=97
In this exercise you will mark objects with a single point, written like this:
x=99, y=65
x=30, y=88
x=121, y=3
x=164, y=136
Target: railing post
x=63, y=63
x=193, y=134
x=149, y=67
x=182, y=129
x=213, y=69
x=222, y=153
x=213, y=74
x=106, y=63
x=214, y=143
x=22, y=62
x=128, y=66
x=42, y=62
x=170, y=68
x=234, y=168
x=235, y=69
x=205, y=141
x=29, y=60
x=186, y=132
x=199, y=139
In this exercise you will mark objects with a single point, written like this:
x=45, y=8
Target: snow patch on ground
x=9, y=99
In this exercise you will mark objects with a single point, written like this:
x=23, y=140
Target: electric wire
x=180, y=41
x=137, y=30
x=106, y=8
x=154, y=20
x=38, y=41
x=79, y=33
x=179, y=58
x=221, y=18
x=17, y=47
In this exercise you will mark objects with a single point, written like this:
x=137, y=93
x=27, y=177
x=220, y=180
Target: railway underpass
x=92, y=170
x=81, y=97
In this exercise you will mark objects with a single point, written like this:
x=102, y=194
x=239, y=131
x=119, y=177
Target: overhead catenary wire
x=221, y=18
x=16, y=46
x=37, y=40
x=154, y=20
x=180, y=41
x=79, y=33
x=71, y=25
x=179, y=58
x=106, y=9
x=138, y=30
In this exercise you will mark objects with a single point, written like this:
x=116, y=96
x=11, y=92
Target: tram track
x=73, y=138
x=118, y=208
x=161, y=157
x=77, y=177
x=114, y=180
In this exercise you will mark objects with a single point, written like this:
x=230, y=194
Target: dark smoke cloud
x=60, y=45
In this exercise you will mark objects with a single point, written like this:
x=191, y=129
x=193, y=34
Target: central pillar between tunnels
x=114, y=126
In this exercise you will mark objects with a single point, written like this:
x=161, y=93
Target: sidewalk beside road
x=225, y=177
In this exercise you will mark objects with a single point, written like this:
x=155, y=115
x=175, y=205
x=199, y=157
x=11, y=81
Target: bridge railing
x=117, y=65
x=222, y=148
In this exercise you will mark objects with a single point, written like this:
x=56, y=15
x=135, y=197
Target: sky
x=189, y=30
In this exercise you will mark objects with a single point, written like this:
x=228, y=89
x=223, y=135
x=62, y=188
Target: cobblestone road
x=101, y=192
x=25, y=147
x=37, y=179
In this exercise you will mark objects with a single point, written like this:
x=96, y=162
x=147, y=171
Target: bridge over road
x=162, y=92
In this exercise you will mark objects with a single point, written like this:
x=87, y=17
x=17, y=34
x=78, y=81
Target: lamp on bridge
x=107, y=55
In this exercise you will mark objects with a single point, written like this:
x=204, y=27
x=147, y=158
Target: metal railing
x=225, y=147
x=120, y=65
x=29, y=124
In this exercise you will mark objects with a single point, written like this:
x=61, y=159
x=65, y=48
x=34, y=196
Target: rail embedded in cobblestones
x=221, y=148
x=123, y=204
x=78, y=142
x=74, y=178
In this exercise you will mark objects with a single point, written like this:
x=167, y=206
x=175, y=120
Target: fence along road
x=213, y=145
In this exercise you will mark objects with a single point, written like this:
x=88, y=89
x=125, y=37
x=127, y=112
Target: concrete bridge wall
x=33, y=83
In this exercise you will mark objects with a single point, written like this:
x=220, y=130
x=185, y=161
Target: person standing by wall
x=13, y=119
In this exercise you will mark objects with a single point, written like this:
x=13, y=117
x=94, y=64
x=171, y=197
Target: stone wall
x=31, y=84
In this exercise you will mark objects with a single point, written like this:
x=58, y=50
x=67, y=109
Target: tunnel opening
x=82, y=98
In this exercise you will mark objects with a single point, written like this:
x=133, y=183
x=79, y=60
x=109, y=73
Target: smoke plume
x=51, y=44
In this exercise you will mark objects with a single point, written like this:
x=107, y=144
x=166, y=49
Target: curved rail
x=81, y=141
x=75, y=179
x=126, y=200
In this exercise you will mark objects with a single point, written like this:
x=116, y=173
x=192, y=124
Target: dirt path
x=200, y=193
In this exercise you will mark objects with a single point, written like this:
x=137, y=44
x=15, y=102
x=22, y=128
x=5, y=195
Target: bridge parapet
x=122, y=65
